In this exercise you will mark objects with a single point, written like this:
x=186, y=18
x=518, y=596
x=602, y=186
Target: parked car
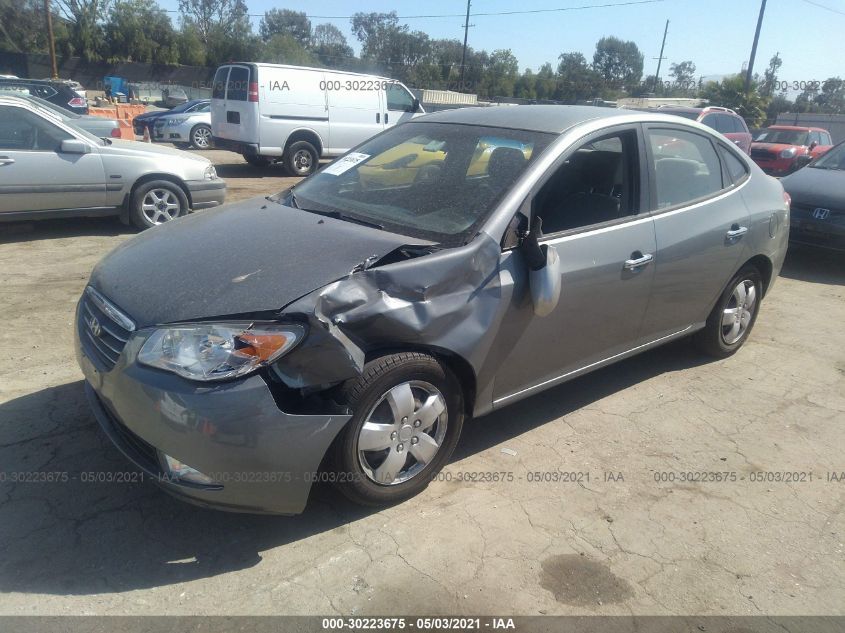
x=148, y=119
x=296, y=115
x=818, y=201
x=722, y=120
x=51, y=168
x=188, y=129
x=96, y=125
x=55, y=91
x=174, y=96
x=363, y=325
x=781, y=149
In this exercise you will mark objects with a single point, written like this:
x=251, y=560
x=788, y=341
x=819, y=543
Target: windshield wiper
x=337, y=215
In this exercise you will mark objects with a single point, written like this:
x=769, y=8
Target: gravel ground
x=621, y=543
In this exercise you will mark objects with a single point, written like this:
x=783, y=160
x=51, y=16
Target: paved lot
x=626, y=544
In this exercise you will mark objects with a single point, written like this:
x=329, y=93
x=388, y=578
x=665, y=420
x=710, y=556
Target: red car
x=781, y=149
x=723, y=120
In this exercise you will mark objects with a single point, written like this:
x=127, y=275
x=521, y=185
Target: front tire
x=201, y=137
x=157, y=202
x=301, y=158
x=730, y=322
x=407, y=419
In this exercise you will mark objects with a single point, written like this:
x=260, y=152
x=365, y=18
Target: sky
x=715, y=34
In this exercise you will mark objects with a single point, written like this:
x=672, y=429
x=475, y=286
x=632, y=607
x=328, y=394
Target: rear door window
x=736, y=168
x=398, y=98
x=218, y=87
x=238, y=84
x=685, y=166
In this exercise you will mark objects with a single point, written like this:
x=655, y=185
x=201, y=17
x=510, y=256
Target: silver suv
x=50, y=168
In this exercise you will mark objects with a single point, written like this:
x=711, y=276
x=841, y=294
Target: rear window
x=736, y=168
x=238, y=84
x=218, y=88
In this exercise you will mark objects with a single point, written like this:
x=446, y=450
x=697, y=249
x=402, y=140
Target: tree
x=284, y=21
x=545, y=83
x=619, y=63
x=683, y=75
x=831, y=100
x=500, y=74
x=331, y=47
x=222, y=26
x=778, y=104
x=285, y=49
x=526, y=86
x=85, y=20
x=576, y=80
x=22, y=27
x=730, y=93
x=139, y=30
x=770, y=77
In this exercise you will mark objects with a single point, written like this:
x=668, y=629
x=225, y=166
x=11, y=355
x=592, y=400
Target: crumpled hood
x=816, y=187
x=254, y=256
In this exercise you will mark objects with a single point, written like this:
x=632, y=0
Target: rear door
x=236, y=118
x=700, y=219
x=218, y=101
x=34, y=173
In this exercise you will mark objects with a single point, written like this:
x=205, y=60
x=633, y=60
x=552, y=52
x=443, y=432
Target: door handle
x=378, y=117
x=736, y=231
x=5, y=160
x=385, y=118
x=637, y=260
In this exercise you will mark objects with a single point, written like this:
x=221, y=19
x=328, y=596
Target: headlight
x=210, y=173
x=217, y=351
x=789, y=152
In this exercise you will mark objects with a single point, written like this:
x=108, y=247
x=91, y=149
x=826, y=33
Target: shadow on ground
x=75, y=536
x=815, y=265
x=25, y=231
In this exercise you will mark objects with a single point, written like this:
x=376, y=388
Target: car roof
x=538, y=118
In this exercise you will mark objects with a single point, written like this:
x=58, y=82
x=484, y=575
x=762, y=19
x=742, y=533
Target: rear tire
x=731, y=321
x=257, y=161
x=408, y=412
x=301, y=158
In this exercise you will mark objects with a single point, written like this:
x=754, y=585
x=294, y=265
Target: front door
x=35, y=175
x=594, y=213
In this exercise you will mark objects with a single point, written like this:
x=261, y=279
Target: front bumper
x=263, y=459
x=206, y=193
x=777, y=167
x=822, y=234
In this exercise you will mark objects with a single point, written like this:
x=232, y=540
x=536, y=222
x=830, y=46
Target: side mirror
x=803, y=161
x=543, y=270
x=813, y=145
x=415, y=107
x=74, y=146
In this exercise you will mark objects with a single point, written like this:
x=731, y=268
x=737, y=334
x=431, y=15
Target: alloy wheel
x=302, y=161
x=202, y=137
x=402, y=433
x=160, y=206
x=739, y=311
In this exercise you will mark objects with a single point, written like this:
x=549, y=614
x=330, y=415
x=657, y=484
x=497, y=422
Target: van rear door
x=235, y=116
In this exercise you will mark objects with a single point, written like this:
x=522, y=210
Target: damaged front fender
x=451, y=299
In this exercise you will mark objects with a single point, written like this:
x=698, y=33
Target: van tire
x=301, y=158
x=257, y=161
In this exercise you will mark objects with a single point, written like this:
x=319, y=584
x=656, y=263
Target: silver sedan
x=50, y=167
x=192, y=129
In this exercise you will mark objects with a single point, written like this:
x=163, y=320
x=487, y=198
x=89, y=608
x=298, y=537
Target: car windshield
x=433, y=181
x=832, y=159
x=785, y=137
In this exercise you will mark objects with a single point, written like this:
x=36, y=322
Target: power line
x=821, y=6
x=461, y=15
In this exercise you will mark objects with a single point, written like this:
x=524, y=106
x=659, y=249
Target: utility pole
x=52, y=40
x=464, y=53
x=748, y=74
x=661, y=58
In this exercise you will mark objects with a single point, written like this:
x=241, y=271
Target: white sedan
x=190, y=129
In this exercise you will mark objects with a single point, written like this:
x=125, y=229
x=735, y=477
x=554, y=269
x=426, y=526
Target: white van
x=293, y=114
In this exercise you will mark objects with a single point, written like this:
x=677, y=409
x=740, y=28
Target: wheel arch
x=304, y=134
x=157, y=176
x=457, y=364
x=764, y=265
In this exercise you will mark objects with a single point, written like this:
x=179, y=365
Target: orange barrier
x=124, y=113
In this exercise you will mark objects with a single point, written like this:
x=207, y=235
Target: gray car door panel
x=602, y=304
x=700, y=243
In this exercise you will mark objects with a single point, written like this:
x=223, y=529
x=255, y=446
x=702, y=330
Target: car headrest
x=505, y=163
